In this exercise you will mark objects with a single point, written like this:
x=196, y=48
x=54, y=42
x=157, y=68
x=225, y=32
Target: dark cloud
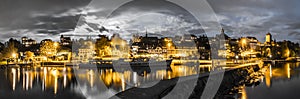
x=36, y=16
x=238, y=17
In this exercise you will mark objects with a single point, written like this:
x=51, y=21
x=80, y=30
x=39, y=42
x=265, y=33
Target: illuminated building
x=65, y=40
x=86, y=51
x=186, y=47
x=147, y=46
x=203, y=47
x=119, y=46
x=28, y=42
x=268, y=38
x=249, y=47
x=222, y=44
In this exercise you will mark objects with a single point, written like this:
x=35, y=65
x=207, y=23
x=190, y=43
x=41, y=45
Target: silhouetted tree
x=11, y=47
x=101, y=45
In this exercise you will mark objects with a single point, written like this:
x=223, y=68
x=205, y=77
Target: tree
x=49, y=48
x=9, y=49
x=29, y=54
x=102, y=46
x=1, y=46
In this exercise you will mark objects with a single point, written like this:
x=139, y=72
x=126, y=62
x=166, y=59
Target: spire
x=146, y=33
x=222, y=31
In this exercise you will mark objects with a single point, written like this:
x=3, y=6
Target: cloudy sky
x=41, y=19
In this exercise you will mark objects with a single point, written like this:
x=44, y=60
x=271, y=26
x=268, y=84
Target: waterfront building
x=86, y=51
x=203, y=47
x=119, y=46
x=146, y=47
x=187, y=47
x=268, y=49
x=249, y=47
x=221, y=43
x=28, y=42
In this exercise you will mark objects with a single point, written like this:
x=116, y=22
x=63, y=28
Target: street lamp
x=55, y=44
x=169, y=44
x=14, y=55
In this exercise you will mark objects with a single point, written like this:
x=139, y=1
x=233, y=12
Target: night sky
x=41, y=19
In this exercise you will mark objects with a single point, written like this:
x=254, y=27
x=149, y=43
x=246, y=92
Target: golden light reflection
x=55, y=84
x=123, y=84
x=51, y=78
x=14, y=78
x=274, y=72
x=268, y=77
x=65, y=80
x=109, y=77
x=91, y=77
x=283, y=71
x=288, y=70
x=47, y=76
x=244, y=93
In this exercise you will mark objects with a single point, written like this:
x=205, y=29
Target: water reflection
x=61, y=82
x=56, y=81
x=48, y=77
x=261, y=83
x=120, y=81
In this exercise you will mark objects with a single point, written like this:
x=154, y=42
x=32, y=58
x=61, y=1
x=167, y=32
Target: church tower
x=222, y=31
x=268, y=38
x=146, y=33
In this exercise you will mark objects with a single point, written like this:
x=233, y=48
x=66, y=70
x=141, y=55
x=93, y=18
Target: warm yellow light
x=169, y=44
x=244, y=41
x=14, y=55
x=287, y=53
x=55, y=44
x=54, y=72
x=123, y=44
x=44, y=58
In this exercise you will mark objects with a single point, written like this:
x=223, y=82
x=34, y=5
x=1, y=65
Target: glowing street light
x=169, y=44
x=55, y=44
x=44, y=58
x=244, y=42
x=14, y=55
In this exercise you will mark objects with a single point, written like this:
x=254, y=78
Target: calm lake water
x=275, y=81
x=278, y=81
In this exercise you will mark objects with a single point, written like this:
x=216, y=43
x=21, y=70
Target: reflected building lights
x=268, y=77
x=55, y=84
x=31, y=77
x=270, y=70
x=27, y=80
x=14, y=79
x=19, y=75
x=23, y=77
x=135, y=79
x=123, y=83
x=65, y=80
x=52, y=77
x=91, y=77
x=288, y=71
x=244, y=93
